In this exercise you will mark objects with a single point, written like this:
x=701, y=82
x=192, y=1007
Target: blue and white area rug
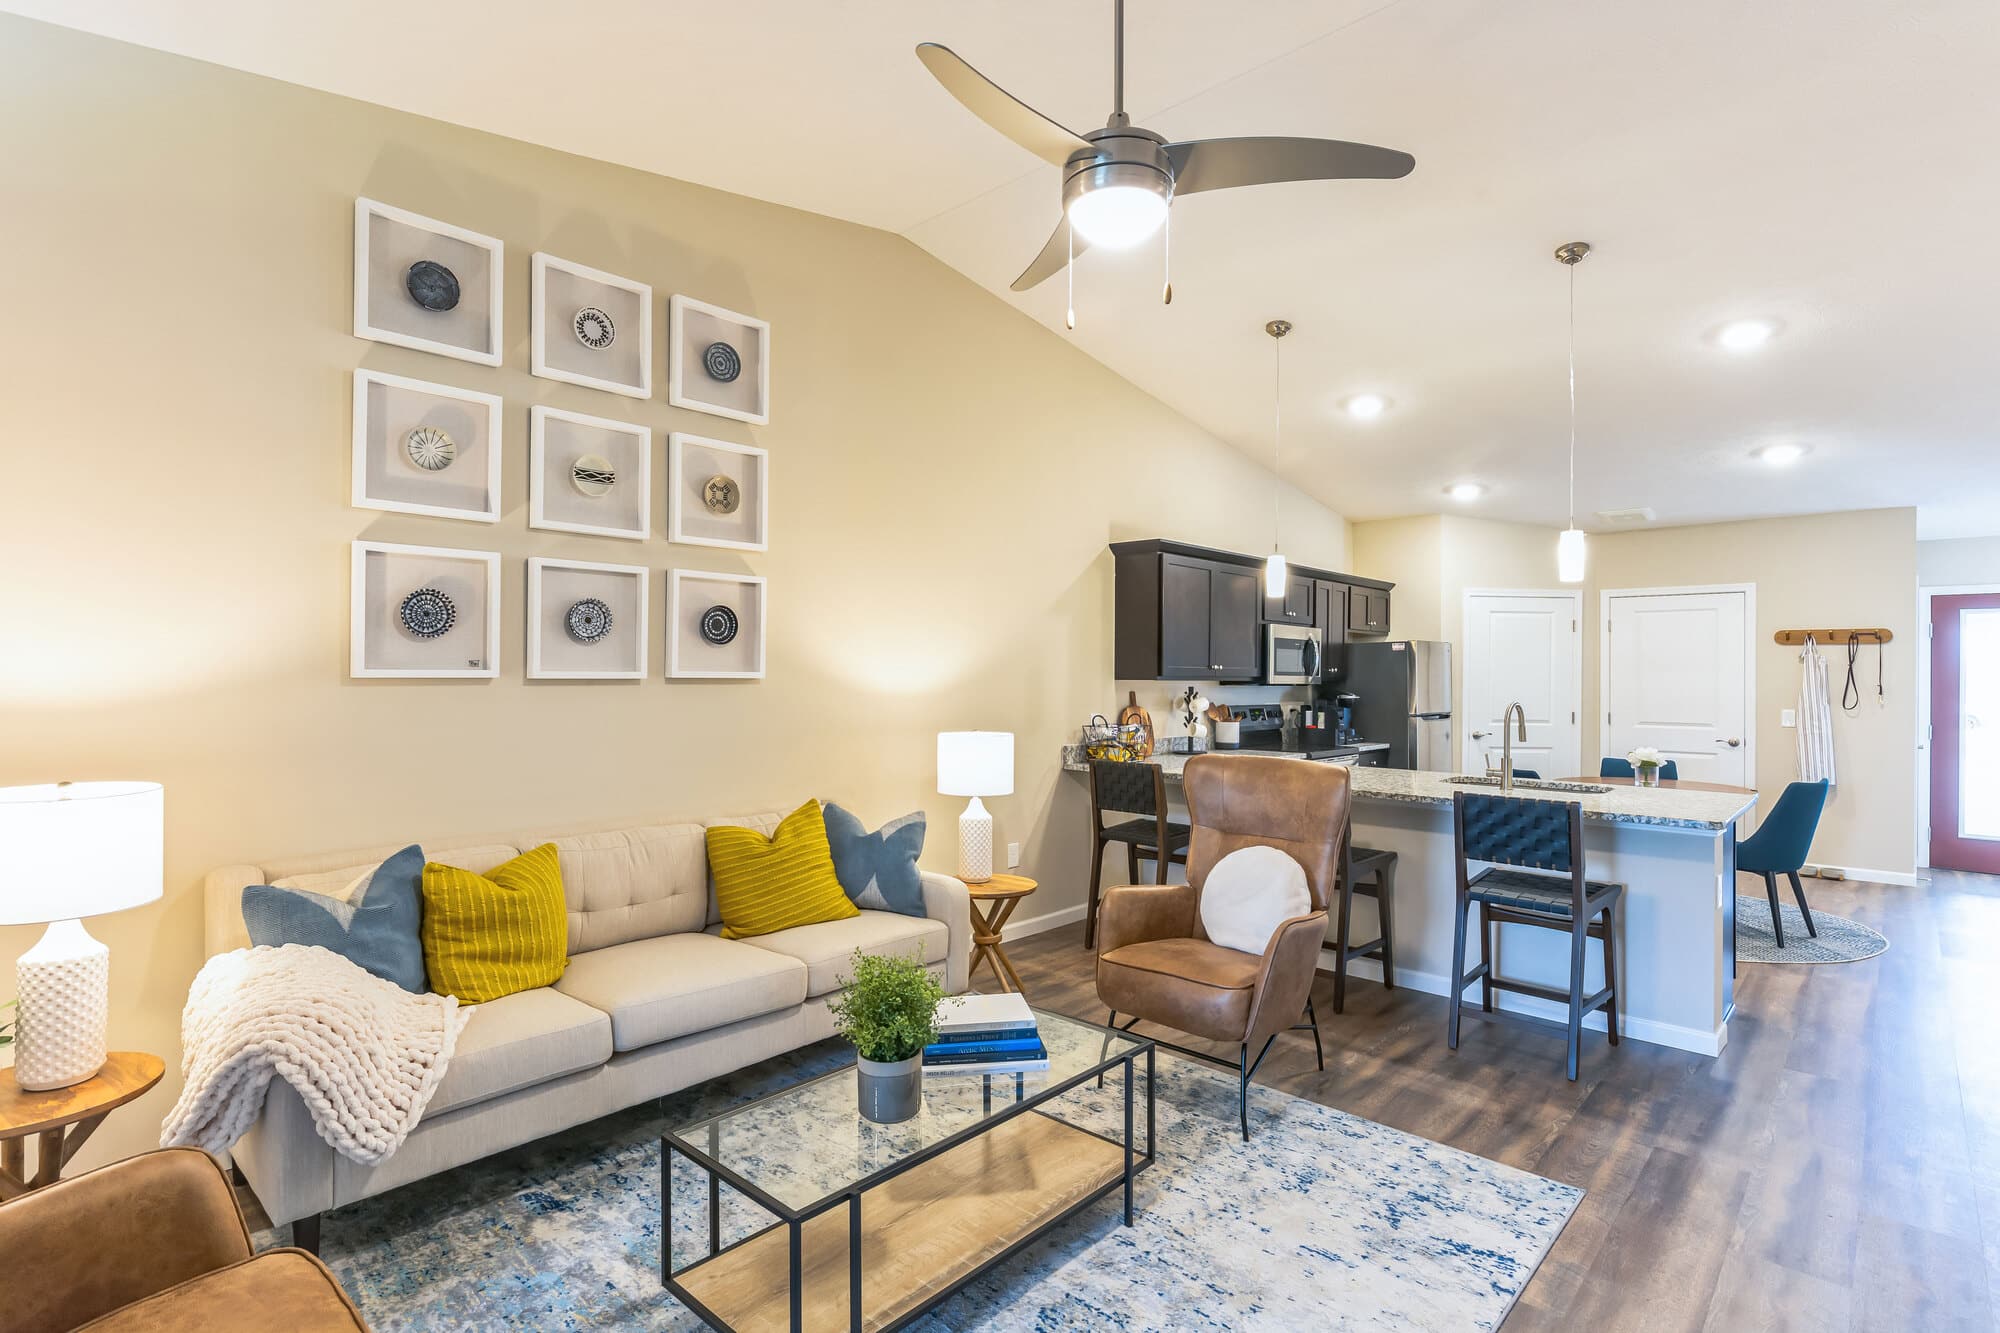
x=1323, y=1220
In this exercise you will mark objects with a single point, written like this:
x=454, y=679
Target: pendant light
x=1570, y=545
x=1274, y=568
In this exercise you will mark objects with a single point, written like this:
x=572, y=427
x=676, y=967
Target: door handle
x=1479, y=735
x=1732, y=742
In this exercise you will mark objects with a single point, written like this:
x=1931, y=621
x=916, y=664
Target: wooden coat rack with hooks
x=1825, y=637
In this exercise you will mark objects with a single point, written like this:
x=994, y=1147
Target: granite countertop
x=1664, y=807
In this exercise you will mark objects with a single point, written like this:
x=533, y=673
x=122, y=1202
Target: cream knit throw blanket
x=364, y=1053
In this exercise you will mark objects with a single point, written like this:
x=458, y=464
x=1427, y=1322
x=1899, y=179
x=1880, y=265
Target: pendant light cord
x=1277, y=428
x=1572, y=394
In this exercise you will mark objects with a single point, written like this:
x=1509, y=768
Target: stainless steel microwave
x=1292, y=655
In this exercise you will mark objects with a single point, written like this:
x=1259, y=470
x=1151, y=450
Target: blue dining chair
x=1780, y=845
x=1528, y=773
x=1622, y=768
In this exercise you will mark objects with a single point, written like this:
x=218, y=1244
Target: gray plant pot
x=890, y=1091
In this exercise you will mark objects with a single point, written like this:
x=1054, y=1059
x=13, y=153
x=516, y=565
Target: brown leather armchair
x=1155, y=962
x=155, y=1243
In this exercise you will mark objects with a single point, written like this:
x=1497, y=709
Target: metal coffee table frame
x=672, y=1143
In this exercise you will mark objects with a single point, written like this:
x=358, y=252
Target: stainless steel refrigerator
x=1405, y=691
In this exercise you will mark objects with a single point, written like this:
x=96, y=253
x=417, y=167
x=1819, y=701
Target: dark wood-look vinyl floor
x=1837, y=1167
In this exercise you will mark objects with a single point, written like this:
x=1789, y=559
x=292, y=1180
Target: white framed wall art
x=590, y=327
x=715, y=625
x=586, y=621
x=423, y=448
x=718, y=493
x=718, y=361
x=422, y=283
x=589, y=474
x=423, y=611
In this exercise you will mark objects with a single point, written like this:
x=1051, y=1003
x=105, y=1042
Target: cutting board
x=1133, y=715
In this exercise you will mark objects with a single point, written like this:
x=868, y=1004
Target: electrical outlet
x=1788, y=718
x=1013, y=855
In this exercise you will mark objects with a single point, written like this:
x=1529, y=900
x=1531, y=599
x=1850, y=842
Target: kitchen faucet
x=1507, y=743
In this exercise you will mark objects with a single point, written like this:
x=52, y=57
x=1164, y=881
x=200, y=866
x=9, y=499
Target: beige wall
x=945, y=476
x=1963, y=562
x=1829, y=569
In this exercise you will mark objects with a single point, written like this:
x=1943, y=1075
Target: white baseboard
x=1037, y=925
x=1639, y=1029
x=1904, y=878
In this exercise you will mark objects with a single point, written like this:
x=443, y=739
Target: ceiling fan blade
x=999, y=108
x=1052, y=258
x=1224, y=164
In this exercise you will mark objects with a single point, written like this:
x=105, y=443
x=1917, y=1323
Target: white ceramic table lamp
x=70, y=850
x=975, y=764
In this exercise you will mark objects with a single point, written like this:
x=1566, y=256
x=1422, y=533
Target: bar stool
x=1119, y=788
x=1367, y=871
x=1548, y=836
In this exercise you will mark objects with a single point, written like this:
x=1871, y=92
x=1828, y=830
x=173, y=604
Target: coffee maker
x=1343, y=718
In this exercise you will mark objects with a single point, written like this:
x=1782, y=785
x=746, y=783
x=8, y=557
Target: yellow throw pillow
x=491, y=935
x=765, y=884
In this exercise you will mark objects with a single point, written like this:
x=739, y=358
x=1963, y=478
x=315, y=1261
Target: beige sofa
x=653, y=1001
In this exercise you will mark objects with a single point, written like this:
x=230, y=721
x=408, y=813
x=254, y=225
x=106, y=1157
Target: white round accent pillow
x=1250, y=893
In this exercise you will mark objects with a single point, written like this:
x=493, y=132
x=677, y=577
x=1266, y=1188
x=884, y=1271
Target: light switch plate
x=1788, y=718
x=1013, y=855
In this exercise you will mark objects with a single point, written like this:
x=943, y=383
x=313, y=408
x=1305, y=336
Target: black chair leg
x=1096, y=878
x=1341, y=937
x=1243, y=1088
x=1799, y=892
x=1576, y=939
x=1611, y=972
x=1132, y=863
x=1486, y=961
x=1457, y=970
x=1777, y=917
x=305, y=1234
x=1385, y=893
x=1319, y=1052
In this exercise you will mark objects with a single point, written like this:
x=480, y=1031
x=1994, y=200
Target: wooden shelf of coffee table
x=922, y=1232
x=64, y=1117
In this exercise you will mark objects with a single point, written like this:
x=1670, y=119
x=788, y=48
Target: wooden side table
x=998, y=897
x=64, y=1117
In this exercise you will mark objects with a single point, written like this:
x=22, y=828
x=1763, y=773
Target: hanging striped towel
x=1815, y=717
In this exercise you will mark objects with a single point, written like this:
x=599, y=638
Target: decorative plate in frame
x=590, y=327
x=718, y=361
x=718, y=493
x=423, y=611
x=423, y=448
x=586, y=620
x=422, y=283
x=715, y=625
x=589, y=474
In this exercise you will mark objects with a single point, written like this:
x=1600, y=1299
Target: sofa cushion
x=520, y=1040
x=659, y=989
x=776, y=882
x=827, y=948
x=878, y=870
x=491, y=935
x=633, y=883
x=373, y=924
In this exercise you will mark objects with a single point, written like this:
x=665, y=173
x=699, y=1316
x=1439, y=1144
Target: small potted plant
x=8, y=1022
x=889, y=1011
x=1645, y=763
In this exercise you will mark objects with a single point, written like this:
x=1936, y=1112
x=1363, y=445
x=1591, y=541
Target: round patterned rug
x=1839, y=941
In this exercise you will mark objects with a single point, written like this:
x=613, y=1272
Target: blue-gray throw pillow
x=878, y=870
x=376, y=928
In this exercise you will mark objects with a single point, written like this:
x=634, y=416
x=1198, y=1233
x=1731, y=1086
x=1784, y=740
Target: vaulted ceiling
x=1831, y=165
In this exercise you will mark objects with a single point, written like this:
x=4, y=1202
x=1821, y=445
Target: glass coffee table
x=875, y=1224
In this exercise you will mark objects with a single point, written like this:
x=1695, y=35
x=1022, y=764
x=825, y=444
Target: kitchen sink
x=1537, y=784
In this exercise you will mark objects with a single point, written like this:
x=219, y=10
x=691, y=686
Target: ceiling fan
x=1119, y=181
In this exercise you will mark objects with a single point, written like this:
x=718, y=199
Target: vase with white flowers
x=1645, y=763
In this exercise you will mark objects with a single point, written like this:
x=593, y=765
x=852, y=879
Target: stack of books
x=986, y=1034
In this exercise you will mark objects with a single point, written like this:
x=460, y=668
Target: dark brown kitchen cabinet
x=1186, y=618
x=1367, y=611
x=1330, y=615
x=1295, y=607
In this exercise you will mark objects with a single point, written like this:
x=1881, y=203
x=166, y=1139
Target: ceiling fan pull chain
x=1167, y=255
x=1069, y=270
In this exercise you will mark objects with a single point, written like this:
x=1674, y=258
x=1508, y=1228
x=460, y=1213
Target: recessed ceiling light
x=1746, y=335
x=1366, y=405
x=1780, y=454
x=1465, y=492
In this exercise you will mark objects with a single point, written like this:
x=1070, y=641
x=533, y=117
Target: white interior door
x=1677, y=678
x=1523, y=647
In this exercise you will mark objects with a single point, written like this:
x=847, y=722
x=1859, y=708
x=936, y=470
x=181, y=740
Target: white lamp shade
x=79, y=849
x=975, y=763
x=1569, y=556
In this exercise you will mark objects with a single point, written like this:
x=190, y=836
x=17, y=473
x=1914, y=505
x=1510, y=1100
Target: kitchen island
x=1674, y=850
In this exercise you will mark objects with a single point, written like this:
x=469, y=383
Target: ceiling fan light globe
x=1118, y=217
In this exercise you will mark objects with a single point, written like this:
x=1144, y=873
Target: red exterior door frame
x=1948, y=851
